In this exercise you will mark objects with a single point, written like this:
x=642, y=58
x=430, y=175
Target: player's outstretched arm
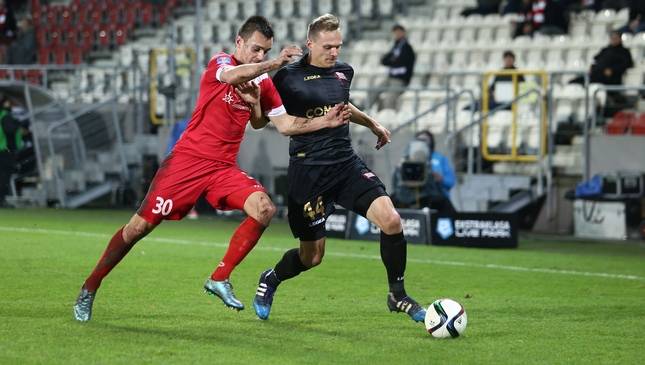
x=242, y=73
x=289, y=125
x=359, y=117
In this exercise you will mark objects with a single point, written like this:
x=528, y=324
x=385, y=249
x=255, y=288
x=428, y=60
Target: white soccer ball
x=445, y=318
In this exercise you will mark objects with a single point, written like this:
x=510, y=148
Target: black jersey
x=309, y=91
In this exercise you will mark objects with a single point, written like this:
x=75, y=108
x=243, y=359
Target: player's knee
x=134, y=231
x=312, y=260
x=266, y=211
x=391, y=222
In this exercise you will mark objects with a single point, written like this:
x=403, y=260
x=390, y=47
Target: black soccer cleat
x=406, y=305
x=264, y=296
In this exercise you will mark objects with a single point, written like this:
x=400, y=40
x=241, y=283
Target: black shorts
x=313, y=190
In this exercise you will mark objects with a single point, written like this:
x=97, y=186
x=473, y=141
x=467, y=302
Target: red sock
x=115, y=251
x=242, y=242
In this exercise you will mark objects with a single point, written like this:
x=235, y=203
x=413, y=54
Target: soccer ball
x=445, y=318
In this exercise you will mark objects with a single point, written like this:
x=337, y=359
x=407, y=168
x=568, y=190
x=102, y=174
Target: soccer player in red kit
x=203, y=162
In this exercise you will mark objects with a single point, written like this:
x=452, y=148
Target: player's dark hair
x=324, y=23
x=255, y=23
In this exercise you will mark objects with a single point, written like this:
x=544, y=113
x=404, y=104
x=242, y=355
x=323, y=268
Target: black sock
x=394, y=254
x=288, y=267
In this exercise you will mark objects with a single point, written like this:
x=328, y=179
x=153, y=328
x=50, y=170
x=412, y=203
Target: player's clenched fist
x=338, y=115
x=289, y=54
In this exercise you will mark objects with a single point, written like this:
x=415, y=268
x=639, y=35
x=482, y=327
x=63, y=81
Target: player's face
x=253, y=49
x=324, y=48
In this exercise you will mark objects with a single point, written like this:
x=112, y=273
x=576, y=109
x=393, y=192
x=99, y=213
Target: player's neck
x=312, y=62
x=237, y=58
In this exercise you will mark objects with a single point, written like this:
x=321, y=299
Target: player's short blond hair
x=324, y=23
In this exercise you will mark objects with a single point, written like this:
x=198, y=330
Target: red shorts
x=183, y=178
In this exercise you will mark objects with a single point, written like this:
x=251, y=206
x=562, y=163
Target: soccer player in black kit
x=324, y=169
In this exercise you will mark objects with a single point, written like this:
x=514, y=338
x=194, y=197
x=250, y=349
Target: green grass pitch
x=548, y=302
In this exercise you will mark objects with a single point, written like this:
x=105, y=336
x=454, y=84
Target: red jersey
x=217, y=126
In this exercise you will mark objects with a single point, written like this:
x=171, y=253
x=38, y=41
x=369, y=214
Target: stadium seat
x=231, y=10
x=366, y=8
x=305, y=8
x=345, y=8
x=620, y=123
x=76, y=55
x=213, y=10
x=327, y=6
x=638, y=125
x=287, y=9
x=385, y=7
x=60, y=56
x=281, y=29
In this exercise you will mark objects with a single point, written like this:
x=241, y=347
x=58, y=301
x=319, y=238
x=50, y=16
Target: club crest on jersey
x=228, y=98
x=369, y=175
x=223, y=60
x=341, y=76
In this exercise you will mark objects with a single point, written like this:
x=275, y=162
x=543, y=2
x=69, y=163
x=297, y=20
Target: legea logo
x=444, y=228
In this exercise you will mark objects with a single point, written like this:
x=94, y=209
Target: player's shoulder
x=285, y=71
x=344, y=67
x=221, y=58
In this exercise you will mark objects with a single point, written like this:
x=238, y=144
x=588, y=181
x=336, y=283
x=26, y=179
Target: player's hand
x=338, y=115
x=383, y=135
x=289, y=54
x=249, y=92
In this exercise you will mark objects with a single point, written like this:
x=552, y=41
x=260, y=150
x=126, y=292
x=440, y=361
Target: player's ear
x=239, y=41
x=309, y=43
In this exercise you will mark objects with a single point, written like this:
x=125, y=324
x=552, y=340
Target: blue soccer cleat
x=264, y=296
x=406, y=305
x=83, y=305
x=224, y=291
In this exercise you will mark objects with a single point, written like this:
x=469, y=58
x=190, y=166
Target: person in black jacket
x=400, y=59
x=609, y=67
x=10, y=142
x=611, y=63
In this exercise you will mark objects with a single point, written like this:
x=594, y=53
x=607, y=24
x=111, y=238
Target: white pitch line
x=337, y=254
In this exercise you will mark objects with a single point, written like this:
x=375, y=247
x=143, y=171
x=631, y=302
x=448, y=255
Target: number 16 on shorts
x=162, y=206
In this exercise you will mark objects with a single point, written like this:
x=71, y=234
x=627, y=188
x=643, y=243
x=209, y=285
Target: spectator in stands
x=609, y=67
x=400, y=59
x=431, y=190
x=505, y=82
x=23, y=50
x=636, y=23
x=484, y=7
x=10, y=142
x=514, y=7
x=7, y=23
x=611, y=63
x=545, y=16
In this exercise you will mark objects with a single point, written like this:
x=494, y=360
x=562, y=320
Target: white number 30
x=163, y=206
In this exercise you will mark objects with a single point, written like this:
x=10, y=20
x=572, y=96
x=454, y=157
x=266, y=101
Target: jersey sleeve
x=270, y=98
x=219, y=63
